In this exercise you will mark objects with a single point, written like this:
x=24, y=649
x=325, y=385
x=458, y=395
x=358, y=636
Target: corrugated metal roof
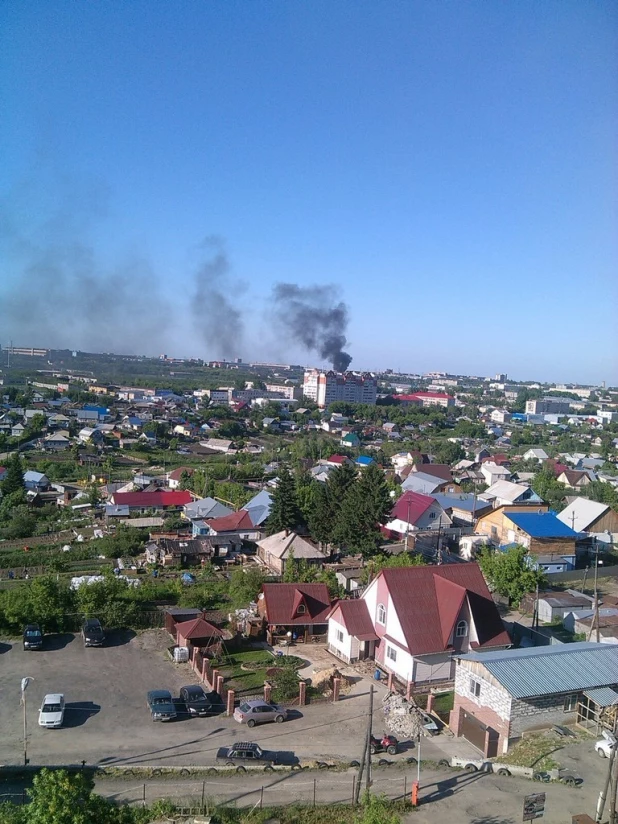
x=541, y=525
x=603, y=697
x=546, y=670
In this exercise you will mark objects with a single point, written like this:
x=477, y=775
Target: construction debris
x=405, y=718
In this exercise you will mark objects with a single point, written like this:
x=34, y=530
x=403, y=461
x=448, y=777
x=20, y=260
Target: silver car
x=259, y=712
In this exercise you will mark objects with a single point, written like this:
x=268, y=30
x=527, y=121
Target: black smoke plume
x=217, y=319
x=312, y=316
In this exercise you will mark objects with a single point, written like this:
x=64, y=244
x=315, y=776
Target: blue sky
x=449, y=166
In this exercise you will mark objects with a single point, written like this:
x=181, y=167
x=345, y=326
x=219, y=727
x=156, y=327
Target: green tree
x=545, y=484
x=365, y=507
x=94, y=496
x=284, y=511
x=14, y=478
x=245, y=585
x=509, y=573
x=325, y=521
x=57, y=797
x=376, y=564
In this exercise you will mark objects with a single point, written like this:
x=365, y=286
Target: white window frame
x=474, y=687
x=391, y=653
x=381, y=615
x=340, y=636
x=570, y=702
x=461, y=630
x=301, y=609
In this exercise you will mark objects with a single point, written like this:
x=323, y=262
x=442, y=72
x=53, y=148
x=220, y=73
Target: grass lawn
x=246, y=680
x=534, y=751
x=443, y=703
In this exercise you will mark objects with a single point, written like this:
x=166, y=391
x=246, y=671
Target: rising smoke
x=312, y=316
x=217, y=319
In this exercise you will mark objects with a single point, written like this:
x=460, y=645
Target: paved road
x=445, y=796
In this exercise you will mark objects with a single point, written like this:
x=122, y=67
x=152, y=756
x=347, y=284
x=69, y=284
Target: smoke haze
x=311, y=315
x=217, y=319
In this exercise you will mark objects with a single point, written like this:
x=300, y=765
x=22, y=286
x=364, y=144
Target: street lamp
x=24, y=686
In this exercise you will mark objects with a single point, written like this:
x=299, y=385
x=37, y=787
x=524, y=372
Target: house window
x=475, y=688
x=461, y=630
x=570, y=702
x=381, y=616
x=301, y=609
x=432, y=515
x=391, y=653
x=340, y=636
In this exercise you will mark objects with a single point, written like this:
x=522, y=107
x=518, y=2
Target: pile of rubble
x=404, y=718
x=323, y=680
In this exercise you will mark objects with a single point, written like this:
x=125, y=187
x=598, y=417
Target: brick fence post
x=219, y=685
x=205, y=670
x=430, y=699
x=267, y=691
x=409, y=689
x=214, y=673
x=302, y=693
x=336, y=688
x=231, y=695
x=390, y=682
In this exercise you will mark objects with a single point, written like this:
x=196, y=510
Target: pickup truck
x=243, y=754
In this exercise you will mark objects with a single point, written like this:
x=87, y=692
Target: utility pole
x=24, y=686
x=609, y=783
x=595, y=617
x=369, y=726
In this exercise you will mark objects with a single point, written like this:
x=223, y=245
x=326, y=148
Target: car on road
x=51, y=714
x=33, y=637
x=259, y=712
x=199, y=702
x=161, y=705
x=605, y=745
x=92, y=633
x=244, y=753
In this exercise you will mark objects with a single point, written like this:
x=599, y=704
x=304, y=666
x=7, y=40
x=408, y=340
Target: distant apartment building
x=548, y=406
x=427, y=399
x=284, y=391
x=325, y=388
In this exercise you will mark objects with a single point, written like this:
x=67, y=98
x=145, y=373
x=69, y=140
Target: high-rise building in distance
x=326, y=387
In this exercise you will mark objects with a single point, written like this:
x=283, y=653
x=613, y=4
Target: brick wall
x=491, y=707
x=541, y=711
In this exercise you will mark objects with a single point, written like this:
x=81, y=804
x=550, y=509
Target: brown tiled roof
x=427, y=601
x=355, y=618
x=281, y=602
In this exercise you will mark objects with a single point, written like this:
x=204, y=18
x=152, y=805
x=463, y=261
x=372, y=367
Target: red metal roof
x=281, y=602
x=354, y=616
x=422, y=395
x=232, y=523
x=411, y=506
x=500, y=459
x=428, y=599
x=338, y=459
x=176, y=474
x=152, y=499
x=197, y=628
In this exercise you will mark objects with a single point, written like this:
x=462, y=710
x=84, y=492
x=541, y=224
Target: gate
x=476, y=733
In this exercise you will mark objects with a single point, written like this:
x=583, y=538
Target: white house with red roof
x=237, y=527
x=414, y=512
x=414, y=620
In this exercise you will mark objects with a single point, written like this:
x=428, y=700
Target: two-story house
x=413, y=621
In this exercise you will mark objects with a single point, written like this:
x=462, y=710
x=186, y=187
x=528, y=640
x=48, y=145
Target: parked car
x=199, y=702
x=161, y=705
x=388, y=743
x=242, y=753
x=51, y=713
x=92, y=633
x=605, y=745
x=33, y=637
x=259, y=712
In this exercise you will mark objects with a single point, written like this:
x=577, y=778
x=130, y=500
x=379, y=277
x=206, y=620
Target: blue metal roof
x=546, y=670
x=603, y=696
x=364, y=460
x=541, y=525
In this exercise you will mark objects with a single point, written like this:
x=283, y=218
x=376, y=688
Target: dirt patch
x=152, y=640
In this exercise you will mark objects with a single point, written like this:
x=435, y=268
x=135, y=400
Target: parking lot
x=107, y=719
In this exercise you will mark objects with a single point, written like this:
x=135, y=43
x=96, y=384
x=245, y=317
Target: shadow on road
x=119, y=637
x=77, y=713
x=58, y=641
x=4, y=647
x=449, y=786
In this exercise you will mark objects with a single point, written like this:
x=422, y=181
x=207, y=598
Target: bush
x=285, y=685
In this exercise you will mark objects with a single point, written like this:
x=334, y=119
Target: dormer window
x=461, y=630
x=301, y=609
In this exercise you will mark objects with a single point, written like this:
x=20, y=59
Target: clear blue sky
x=451, y=166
